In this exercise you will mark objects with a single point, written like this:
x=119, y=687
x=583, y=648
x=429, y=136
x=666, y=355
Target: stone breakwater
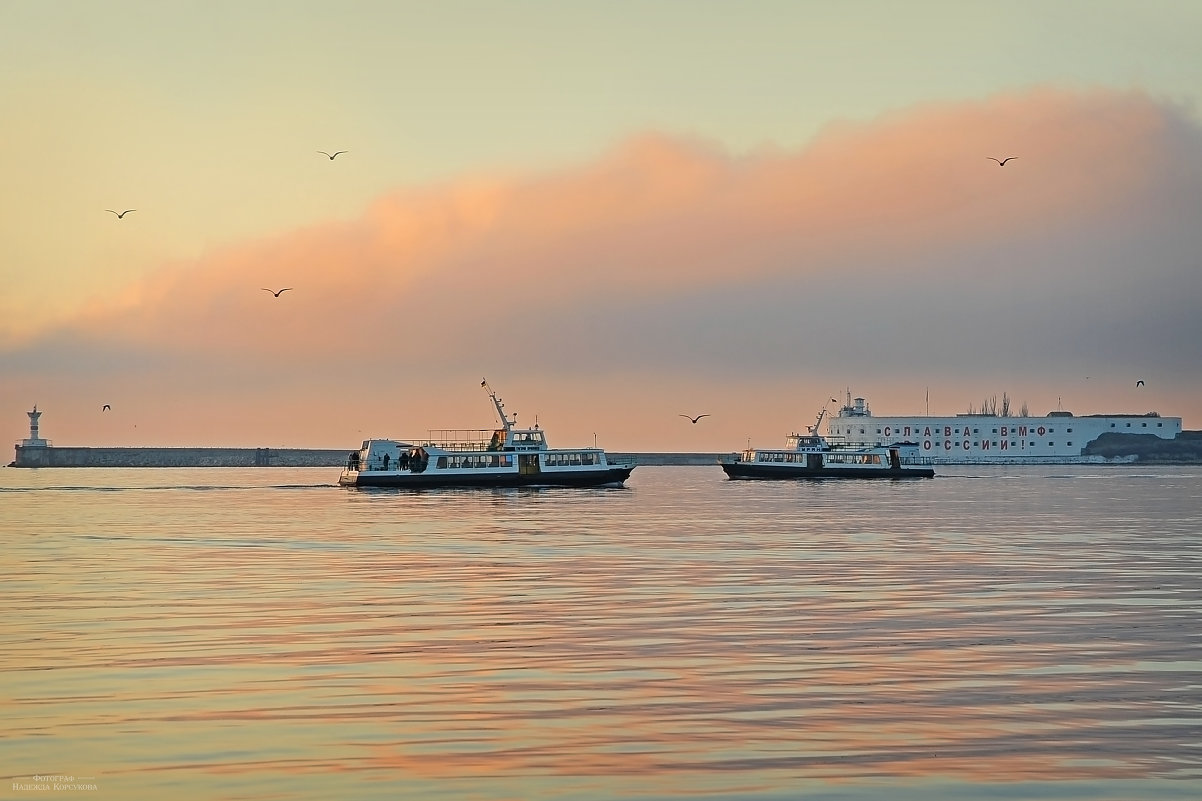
x=57, y=456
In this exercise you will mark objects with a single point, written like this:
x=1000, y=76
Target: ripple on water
x=260, y=634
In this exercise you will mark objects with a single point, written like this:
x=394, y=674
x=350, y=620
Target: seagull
x=1002, y=162
x=106, y=408
x=693, y=420
x=1139, y=383
x=272, y=291
x=121, y=214
x=331, y=157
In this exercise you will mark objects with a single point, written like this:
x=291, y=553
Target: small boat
x=814, y=456
x=504, y=457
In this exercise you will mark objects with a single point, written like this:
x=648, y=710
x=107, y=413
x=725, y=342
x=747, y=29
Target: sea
x=1001, y=632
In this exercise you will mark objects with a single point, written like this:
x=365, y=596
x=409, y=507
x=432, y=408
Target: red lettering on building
x=1004, y=444
x=1040, y=430
x=947, y=431
x=965, y=444
x=1004, y=430
x=927, y=432
x=947, y=444
x=1022, y=431
x=984, y=444
x=926, y=445
x=887, y=430
x=907, y=431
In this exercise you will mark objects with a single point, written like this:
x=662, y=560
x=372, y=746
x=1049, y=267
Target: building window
x=1032, y=444
x=1112, y=425
x=1070, y=431
x=1128, y=425
x=995, y=430
x=1051, y=430
x=976, y=431
x=1050, y=444
x=1070, y=444
x=1144, y=425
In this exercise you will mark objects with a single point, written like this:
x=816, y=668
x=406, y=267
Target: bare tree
x=1005, y=404
x=1024, y=412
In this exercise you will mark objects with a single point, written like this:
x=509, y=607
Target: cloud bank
x=669, y=276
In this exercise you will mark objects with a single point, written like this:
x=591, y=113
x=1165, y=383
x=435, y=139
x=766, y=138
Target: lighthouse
x=34, y=440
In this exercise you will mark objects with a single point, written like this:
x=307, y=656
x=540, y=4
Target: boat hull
x=755, y=470
x=434, y=480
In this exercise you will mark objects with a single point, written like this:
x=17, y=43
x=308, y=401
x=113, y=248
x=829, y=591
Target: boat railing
x=450, y=439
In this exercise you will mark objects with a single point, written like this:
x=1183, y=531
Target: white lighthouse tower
x=34, y=440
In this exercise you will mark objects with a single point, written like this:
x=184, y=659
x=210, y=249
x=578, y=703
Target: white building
x=1058, y=438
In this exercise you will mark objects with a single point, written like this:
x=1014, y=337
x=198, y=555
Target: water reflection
x=260, y=634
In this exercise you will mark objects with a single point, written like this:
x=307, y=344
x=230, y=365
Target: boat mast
x=505, y=421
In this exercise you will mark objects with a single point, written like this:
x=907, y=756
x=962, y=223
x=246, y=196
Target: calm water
x=994, y=633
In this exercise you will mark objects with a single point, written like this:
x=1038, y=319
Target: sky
x=616, y=212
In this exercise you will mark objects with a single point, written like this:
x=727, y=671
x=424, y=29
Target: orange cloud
x=891, y=253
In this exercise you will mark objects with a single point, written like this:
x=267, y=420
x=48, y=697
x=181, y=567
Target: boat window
x=442, y=462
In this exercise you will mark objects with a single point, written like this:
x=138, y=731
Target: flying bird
x=274, y=292
x=331, y=157
x=106, y=408
x=1001, y=162
x=693, y=420
x=1139, y=383
x=121, y=214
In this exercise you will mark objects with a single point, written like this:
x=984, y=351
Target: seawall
x=59, y=456
x=660, y=459
x=56, y=456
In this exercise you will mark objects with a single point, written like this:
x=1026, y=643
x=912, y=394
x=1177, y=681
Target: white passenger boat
x=504, y=457
x=814, y=456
